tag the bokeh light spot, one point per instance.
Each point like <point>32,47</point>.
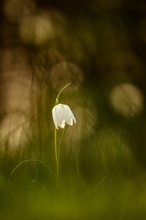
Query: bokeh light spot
<point>37,29</point>
<point>127,99</point>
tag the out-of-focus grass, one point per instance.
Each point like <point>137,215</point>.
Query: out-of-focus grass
<point>99,175</point>
<point>89,189</point>
<point>34,199</point>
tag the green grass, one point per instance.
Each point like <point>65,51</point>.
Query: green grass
<point>100,177</point>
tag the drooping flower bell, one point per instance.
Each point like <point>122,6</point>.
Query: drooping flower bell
<point>62,114</point>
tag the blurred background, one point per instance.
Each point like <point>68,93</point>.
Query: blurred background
<point>100,47</point>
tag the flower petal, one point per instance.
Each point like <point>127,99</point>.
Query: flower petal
<point>62,114</point>
<point>62,124</point>
<point>57,114</point>
<point>54,117</point>
<point>68,115</point>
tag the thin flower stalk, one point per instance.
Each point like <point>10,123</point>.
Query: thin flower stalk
<point>61,115</point>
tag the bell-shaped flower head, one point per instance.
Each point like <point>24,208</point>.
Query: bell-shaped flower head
<point>62,114</point>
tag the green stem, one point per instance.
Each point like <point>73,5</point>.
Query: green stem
<point>57,150</point>
<point>98,184</point>
<point>56,155</point>
<point>31,160</point>
<point>59,145</point>
<point>57,98</point>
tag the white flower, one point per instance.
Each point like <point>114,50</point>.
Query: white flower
<point>62,114</point>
